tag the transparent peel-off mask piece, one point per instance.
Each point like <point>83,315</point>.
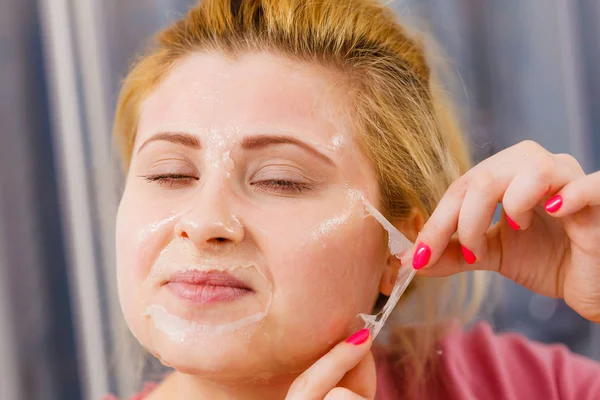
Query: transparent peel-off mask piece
<point>398,245</point>
<point>397,242</point>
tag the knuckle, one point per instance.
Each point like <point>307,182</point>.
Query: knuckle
<point>483,182</point>
<point>544,167</point>
<point>529,147</point>
<point>569,160</point>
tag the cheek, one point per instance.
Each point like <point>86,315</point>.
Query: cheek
<point>327,272</point>
<point>141,233</point>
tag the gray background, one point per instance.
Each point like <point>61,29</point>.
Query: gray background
<point>526,70</point>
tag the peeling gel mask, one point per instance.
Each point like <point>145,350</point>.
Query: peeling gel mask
<point>215,322</point>
<point>399,245</point>
<point>244,227</point>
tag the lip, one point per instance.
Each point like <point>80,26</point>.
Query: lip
<point>199,287</point>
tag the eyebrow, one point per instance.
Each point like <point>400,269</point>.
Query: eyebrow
<point>184,139</point>
<point>262,141</point>
<point>248,143</point>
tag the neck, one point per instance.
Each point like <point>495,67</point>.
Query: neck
<point>181,386</point>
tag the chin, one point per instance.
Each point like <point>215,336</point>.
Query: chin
<point>226,356</point>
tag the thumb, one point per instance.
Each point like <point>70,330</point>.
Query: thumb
<point>362,379</point>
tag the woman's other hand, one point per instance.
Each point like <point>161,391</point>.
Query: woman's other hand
<point>548,238</point>
<point>346,372</point>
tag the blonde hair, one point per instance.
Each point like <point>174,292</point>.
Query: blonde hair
<point>400,118</point>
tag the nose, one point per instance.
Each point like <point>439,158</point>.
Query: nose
<point>210,223</point>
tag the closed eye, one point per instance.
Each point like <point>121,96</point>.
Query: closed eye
<point>171,180</point>
<point>283,186</point>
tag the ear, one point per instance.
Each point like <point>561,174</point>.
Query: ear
<point>410,227</point>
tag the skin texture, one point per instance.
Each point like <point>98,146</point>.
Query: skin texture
<point>548,242</point>
<point>320,270</point>
<point>228,202</point>
<point>551,247</point>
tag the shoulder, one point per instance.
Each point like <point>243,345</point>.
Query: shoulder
<point>488,365</point>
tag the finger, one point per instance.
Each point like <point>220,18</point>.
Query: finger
<point>536,174</point>
<point>362,379</point>
<point>329,370</point>
<point>440,226</point>
<point>571,162</point>
<point>452,260</point>
<point>539,174</point>
<point>494,173</point>
<point>546,175</point>
<point>340,393</point>
<point>481,188</point>
<point>476,215</point>
<point>576,195</point>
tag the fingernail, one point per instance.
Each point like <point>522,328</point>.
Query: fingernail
<point>421,256</point>
<point>512,223</point>
<point>468,255</point>
<point>554,204</point>
<point>359,337</point>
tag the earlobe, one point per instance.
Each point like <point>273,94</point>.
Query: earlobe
<point>388,279</point>
<point>410,227</point>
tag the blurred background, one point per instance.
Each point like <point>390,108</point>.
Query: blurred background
<point>527,69</point>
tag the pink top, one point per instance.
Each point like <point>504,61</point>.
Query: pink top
<point>481,365</point>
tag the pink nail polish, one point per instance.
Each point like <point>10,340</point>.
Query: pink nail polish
<point>359,337</point>
<point>468,255</point>
<point>421,256</point>
<point>512,223</point>
<point>554,204</point>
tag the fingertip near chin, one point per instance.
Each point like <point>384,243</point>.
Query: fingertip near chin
<point>359,337</point>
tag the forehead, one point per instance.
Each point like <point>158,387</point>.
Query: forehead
<point>255,92</point>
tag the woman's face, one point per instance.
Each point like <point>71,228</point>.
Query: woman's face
<point>242,248</point>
